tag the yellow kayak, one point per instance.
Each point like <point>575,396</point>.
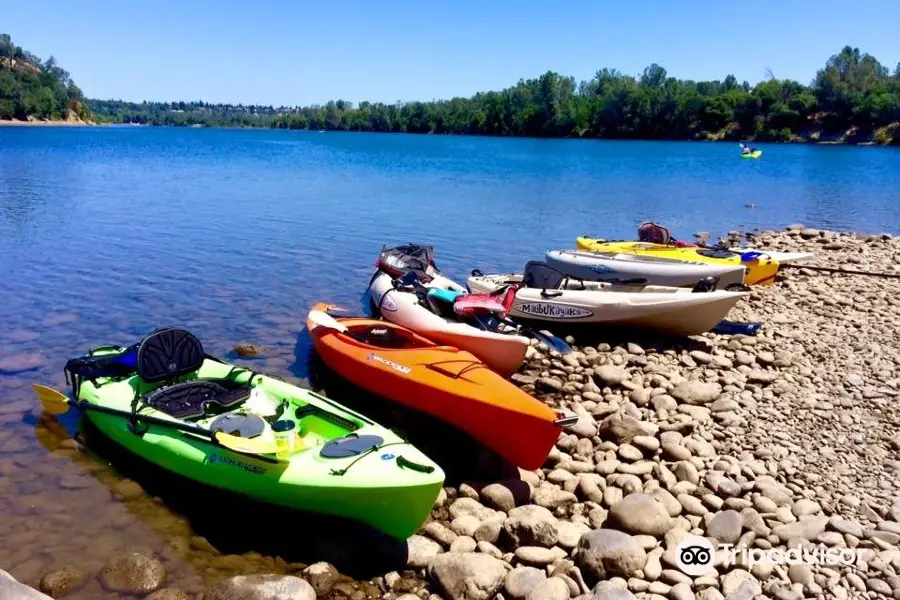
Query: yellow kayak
<point>754,154</point>
<point>760,268</point>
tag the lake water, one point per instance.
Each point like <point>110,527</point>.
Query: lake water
<point>106,233</point>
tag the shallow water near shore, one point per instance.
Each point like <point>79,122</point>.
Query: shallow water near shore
<point>106,233</point>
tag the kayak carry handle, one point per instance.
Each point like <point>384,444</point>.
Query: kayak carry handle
<point>476,273</point>
<point>408,464</point>
<point>565,422</point>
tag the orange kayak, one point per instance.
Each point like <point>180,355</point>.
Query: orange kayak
<point>445,382</point>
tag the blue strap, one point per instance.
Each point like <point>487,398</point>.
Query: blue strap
<point>448,296</point>
<point>748,256</point>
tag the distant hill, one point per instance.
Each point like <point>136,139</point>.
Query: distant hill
<point>853,99</point>
<point>31,89</point>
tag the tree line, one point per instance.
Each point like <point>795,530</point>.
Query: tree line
<point>32,87</point>
<point>852,90</point>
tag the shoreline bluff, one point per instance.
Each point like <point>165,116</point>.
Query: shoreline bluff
<point>788,438</point>
<point>33,122</point>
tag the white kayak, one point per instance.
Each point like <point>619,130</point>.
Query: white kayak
<point>616,267</point>
<point>544,294</point>
<point>783,258</point>
<point>501,352</point>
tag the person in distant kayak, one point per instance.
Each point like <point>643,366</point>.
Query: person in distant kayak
<point>745,150</point>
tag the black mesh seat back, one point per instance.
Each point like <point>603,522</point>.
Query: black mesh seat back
<point>167,353</point>
<point>540,275</point>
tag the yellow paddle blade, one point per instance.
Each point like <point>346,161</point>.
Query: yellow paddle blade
<point>52,401</point>
<point>239,444</point>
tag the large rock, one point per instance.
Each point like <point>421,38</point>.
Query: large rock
<point>620,428</point>
<point>10,589</point>
<point>420,550</point>
<point>605,553</point>
<point>532,525</point>
<point>506,495</point>
<point>59,583</point>
<point>808,529</point>
<point>639,513</point>
<point>550,589</point>
<point>322,576</point>
<point>261,587</point>
<point>697,392</point>
<point>610,375</point>
<point>726,526</point>
<point>521,580</point>
<point>468,576</point>
<point>463,507</point>
<point>605,591</point>
<point>133,573</point>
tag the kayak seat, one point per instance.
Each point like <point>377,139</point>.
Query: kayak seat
<point>197,398</point>
<point>470,305</point>
<point>654,233</point>
<point>540,275</point>
<point>167,353</point>
<point>386,337</point>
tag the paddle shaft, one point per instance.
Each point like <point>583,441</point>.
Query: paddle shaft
<point>844,271</point>
<point>145,418</point>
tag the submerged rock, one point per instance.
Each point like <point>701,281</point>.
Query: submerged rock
<point>248,350</point>
<point>59,583</point>
<point>133,573</point>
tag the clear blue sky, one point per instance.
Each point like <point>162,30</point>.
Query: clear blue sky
<point>301,52</point>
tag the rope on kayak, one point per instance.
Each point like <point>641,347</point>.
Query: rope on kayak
<point>470,364</point>
<point>843,271</point>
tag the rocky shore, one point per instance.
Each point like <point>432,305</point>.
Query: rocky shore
<point>784,439</point>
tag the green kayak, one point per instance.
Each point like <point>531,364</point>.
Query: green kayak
<point>328,459</point>
<point>754,154</point>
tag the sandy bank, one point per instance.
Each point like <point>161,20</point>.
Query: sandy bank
<point>45,123</point>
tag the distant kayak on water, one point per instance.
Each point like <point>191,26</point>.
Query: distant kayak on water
<point>748,152</point>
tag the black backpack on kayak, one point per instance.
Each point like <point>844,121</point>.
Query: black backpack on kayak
<point>163,354</point>
<point>400,260</point>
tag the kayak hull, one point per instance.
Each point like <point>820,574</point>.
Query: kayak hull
<point>670,310</point>
<point>504,353</point>
<point>754,154</point>
<point>444,382</point>
<point>759,271</point>
<point>375,490</point>
<point>616,266</point>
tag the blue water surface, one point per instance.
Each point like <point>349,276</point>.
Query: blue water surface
<point>106,233</point>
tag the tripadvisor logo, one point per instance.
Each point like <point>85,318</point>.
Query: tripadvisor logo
<point>696,556</point>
